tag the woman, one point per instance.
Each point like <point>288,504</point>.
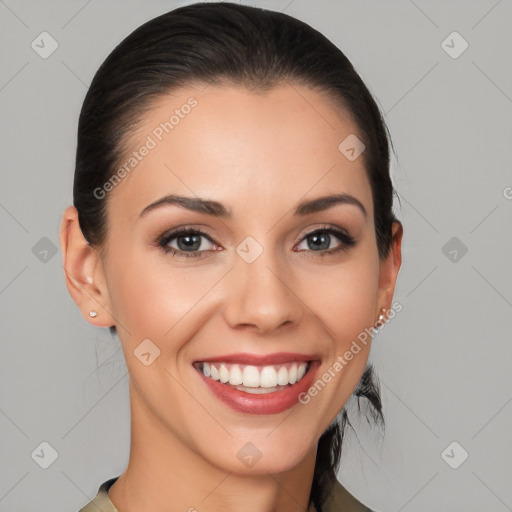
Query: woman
<point>233,224</point>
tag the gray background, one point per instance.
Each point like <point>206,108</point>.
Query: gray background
<point>443,361</point>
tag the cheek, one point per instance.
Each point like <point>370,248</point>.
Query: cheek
<point>136,294</point>
<point>344,296</point>
<point>154,299</point>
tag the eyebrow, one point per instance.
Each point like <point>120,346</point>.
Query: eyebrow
<point>216,209</point>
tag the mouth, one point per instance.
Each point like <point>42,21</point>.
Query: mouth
<point>258,384</point>
<point>254,379</point>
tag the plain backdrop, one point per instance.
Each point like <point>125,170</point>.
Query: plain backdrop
<point>441,73</point>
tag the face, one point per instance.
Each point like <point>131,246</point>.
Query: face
<point>268,287</point>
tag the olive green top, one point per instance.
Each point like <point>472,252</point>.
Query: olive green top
<point>340,500</point>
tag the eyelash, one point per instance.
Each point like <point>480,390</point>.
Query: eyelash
<point>163,241</point>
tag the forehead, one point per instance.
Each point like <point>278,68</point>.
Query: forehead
<point>235,146</point>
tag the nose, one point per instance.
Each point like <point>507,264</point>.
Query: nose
<point>261,296</point>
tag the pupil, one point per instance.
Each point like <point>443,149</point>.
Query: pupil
<point>192,242</point>
<point>324,237</point>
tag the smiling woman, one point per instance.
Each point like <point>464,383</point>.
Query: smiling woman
<point>246,252</point>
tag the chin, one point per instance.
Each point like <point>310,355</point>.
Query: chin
<point>262,455</point>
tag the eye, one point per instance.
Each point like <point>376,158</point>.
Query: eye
<point>320,240</point>
<point>188,243</point>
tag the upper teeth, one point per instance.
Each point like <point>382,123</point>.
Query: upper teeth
<point>255,376</point>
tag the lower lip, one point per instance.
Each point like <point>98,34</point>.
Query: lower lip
<point>267,403</point>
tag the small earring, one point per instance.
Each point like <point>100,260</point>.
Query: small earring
<point>93,313</point>
<point>381,317</point>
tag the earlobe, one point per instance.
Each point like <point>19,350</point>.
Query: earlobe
<point>83,271</point>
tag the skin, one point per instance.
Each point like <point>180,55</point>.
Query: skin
<point>259,155</point>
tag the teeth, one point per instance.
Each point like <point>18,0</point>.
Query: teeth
<point>251,377</point>
<point>260,391</point>
<point>247,377</point>
<point>214,373</point>
<point>282,376</point>
<point>235,375</point>
<point>292,374</point>
<point>223,374</point>
<point>268,377</point>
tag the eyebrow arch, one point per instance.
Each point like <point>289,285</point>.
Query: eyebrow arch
<point>325,202</point>
<point>217,209</point>
<point>196,204</point>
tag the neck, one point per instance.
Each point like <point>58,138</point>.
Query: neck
<point>166,475</point>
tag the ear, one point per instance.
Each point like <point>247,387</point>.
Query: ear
<point>83,271</point>
<point>389,268</point>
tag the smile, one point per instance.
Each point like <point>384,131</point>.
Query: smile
<point>258,384</point>
<point>255,379</point>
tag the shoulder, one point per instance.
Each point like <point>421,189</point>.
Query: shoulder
<point>340,500</point>
<point>101,501</point>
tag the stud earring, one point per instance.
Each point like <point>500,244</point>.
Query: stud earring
<point>381,317</point>
<point>93,313</point>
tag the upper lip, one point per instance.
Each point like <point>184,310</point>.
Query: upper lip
<point>260,359</point>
